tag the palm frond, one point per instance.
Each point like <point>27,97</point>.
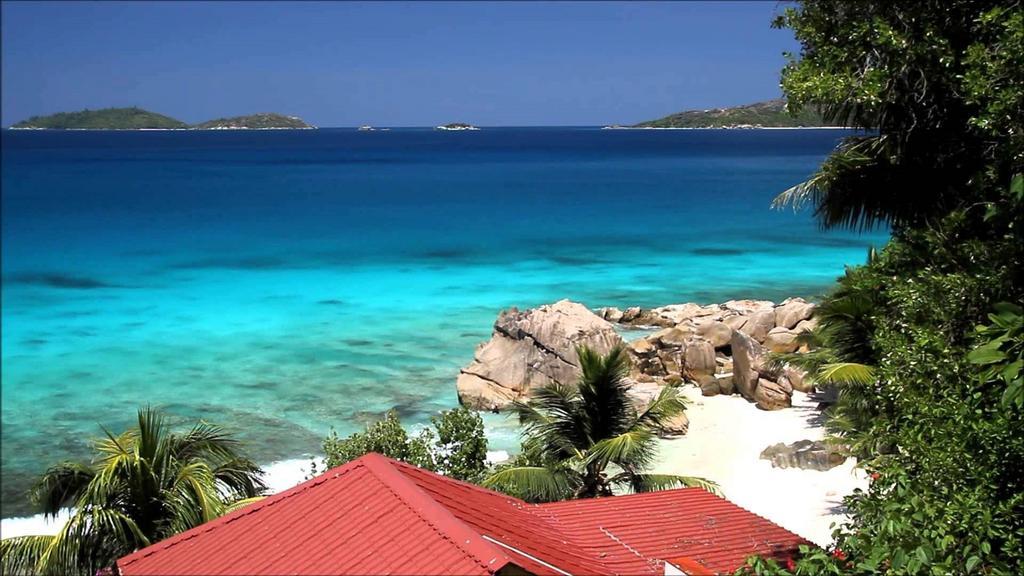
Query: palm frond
<point>241,478</point>
<point>242,503</point>
<point>846,373</point>
<point>534,483</point>
<point>666,406</point>
<point>635,448</point>
<point>658,482</point>
<point>194,496</point>
<point>60,486</point>
<point>150,432</point>
<point>606,407</point>
<point>554,414</point>
<point>23,555</point>
<point>207,441</point>
<point>858,186</point>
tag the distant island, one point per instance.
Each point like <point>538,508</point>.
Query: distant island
<point>267,121</point>
<point>135,118</point>
<point>457,126</point>
<point>769,114</point>
<point>105,119</point>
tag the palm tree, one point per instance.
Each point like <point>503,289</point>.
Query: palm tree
<point>583,441</point>
<point>143,485</point>
<point>841,355</point>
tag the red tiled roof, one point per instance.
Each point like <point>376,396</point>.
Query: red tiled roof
<point>690,524</point>
<point>378,516</point>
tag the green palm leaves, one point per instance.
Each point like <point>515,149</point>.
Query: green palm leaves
<point>583,441</point>
<point>144,485</point>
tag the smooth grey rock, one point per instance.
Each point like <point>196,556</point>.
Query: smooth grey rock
<point>610,314</point>
<point>699,359</point>
<point>758,325</point>
<point>792,311</point>
<point>747,359</point>
<point>630,314</point>
<point>806,325</point>
<point>804,454</point>
<point>531,349</point>
<point>773,395</point>
<point>748,307</point>
<point>798,378</point>
<point>718,333</point>
<point>781,340</point>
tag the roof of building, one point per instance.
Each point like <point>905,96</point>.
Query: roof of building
<point>375,515</point>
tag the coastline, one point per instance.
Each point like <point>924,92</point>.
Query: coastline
<point>725,438</point>
<point>724,128</point>
<point>733,432</point>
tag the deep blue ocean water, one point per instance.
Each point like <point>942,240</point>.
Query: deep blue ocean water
<point>287,282</point>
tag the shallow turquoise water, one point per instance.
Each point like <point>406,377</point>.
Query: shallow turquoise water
<point>284,283</point>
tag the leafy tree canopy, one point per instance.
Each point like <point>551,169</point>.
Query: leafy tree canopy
<point>455,447</point>
<point>924,343</point>
<point>938,84</point>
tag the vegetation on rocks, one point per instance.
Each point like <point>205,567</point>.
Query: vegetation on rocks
<point>139,119</point>
<point>105,119</point>
<point>254,122</point>
<point>772,113</point>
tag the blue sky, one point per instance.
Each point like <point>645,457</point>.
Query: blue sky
<point>391,64</point>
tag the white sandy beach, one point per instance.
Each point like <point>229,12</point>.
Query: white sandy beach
<point>724,443</point>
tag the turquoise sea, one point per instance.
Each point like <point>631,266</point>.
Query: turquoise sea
<point>287,282</point>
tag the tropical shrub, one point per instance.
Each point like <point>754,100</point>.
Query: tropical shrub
<point>584,441</point>
<point>455,447</point>
<point>937,422</point>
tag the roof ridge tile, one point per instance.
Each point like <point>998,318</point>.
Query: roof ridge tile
<point>384,469</point>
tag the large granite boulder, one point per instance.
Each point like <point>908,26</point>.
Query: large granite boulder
<point>530,349</point>
<point>798,378</point>
<point>805,454</point>
<point>793,311</point>
<point>675,426</point>
<point>747,359</point>
<point>759,324</point>
<point>781,340</point>
<point>771,395</point>
<point>718,333</point>
<point>747,307</point>
<point>699,359</point>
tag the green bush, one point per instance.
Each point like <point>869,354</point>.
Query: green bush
<point>455,447</point>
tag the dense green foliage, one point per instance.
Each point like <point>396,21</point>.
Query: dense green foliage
<point>105,119</point>
<point>772,113</point>
<point>584,441</point>
<point>254,122</point>
<point>939,81</point>
<point>456,447</point>
<point>144,485</point>
<point>933,321</point>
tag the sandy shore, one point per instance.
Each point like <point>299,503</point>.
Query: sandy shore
<point>724,443</point>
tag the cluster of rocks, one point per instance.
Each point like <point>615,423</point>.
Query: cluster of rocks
<point>530,349</point>
<point>805,454</point>
<point>723,348</point>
